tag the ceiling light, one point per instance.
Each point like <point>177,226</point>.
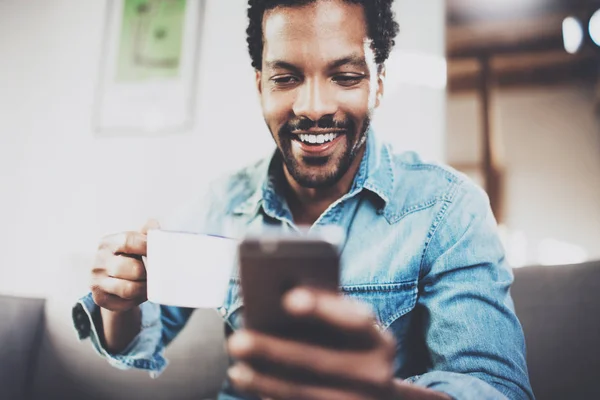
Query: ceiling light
<point>594,27</point>
<point>572,34</point>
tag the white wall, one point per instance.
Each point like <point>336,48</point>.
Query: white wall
<point>412,115</point>
<point>62,189</point>
<point>551,142</point>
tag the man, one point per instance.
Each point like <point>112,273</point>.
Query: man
<point>421,249</point>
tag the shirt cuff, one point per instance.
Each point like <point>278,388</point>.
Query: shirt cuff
<point>457,386</point>
<point>145,351</point>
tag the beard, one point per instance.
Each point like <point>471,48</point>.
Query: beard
<point>321,172</point>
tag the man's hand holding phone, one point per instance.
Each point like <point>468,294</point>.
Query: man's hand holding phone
<point>340,373</point>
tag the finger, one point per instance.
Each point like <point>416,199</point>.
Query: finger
<point>132,243</point>
<point>244,378</point>
<point>112,302</point>
<point>375,371</point>
<point>124,267</point>
<point>127,290</point>
<point>338,311</point>
<point>150,224</point>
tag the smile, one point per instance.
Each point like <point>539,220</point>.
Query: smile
<point>317,138</point>
<point>313,143</point>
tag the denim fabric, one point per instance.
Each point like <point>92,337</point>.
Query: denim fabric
<point>421,248</point>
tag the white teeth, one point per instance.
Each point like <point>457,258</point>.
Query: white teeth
<point>318,139</point>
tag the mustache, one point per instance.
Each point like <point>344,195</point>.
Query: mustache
<point>325,122</point>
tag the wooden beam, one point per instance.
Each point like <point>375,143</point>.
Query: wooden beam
<point>492,167</point>
<point>536,45</point>
<point>507,75</point>
<point>467,12</point>
<point>520,35</point>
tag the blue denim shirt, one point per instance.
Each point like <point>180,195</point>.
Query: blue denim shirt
<point>421,248</point>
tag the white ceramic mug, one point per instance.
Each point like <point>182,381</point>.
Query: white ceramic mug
<point>187,269</point>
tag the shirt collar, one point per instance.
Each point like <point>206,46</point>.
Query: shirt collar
<point>380,172</point>
<point>375,175</point>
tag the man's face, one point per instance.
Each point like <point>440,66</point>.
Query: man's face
<point>318,86</point>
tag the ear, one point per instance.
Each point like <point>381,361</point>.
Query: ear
<point>381,73</point>
<point>258,81</point>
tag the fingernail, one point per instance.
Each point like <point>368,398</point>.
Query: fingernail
<point>240,373</point>
<point>301,301</point>
<point>239,342</point>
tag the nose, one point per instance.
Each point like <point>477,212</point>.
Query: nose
<point>315,100</point>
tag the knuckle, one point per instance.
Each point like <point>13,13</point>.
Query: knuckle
<point>138,270</point>
<point>104,243</point>
<point>252,345</point>
<point>99,263</point>
<point>98,296</point>
<point>115,264</point>
<point>125,241</point>
<point>385,376</point>
<point>364,316</point>
<point>386,340</point>
<point>389,345</point>
<point>97,271</point>
<point>129,290</point>
<point>95,287</point>
<point>107,242</point>
<point>380,374</point>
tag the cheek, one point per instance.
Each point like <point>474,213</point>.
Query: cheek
<point>276,107</point>
<point>356,103</point>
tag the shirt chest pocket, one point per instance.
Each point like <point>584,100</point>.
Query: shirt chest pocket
<point>389,301</point>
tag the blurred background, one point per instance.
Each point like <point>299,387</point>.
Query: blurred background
<point>505,91</point>
<point>523,120</point>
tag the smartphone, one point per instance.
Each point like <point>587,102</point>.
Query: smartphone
<point>270,267</point>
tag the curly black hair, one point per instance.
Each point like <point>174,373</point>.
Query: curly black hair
<point>381,25</point>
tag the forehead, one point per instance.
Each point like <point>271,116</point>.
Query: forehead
<point>325,29</point>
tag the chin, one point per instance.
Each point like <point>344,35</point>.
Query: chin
<point>313,177</point>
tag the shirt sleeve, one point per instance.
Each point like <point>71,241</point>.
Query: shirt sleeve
<point>474,339</point>
<point>160,324</point>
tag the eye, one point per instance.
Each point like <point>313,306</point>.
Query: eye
<point>348,80</point>
<point>287,80</point>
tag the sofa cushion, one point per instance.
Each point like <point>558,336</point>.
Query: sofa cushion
<point>21,325</point>
<point>70,369</point>
<point>559,308</point>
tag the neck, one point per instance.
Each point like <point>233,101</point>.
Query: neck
<point>307,204</point>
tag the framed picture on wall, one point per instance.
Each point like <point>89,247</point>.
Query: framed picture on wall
<point>148,70</point>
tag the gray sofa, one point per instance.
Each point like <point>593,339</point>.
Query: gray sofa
<point>41,358</point>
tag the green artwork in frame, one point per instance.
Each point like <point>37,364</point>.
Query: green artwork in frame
<point>151,40</point>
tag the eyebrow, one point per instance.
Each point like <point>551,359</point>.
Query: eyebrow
<point>352,60</point>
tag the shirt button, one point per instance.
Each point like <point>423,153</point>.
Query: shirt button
<point>223,312</point>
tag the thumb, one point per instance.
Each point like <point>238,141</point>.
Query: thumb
<point>151,224</point>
